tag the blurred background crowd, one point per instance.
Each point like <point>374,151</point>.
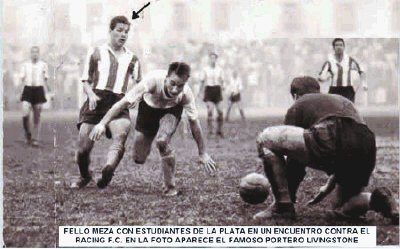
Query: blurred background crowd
<point>265,62</point>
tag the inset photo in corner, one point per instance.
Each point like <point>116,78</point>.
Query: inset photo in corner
<point>199,113</point>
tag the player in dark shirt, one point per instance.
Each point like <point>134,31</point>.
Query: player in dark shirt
<point>324,132</point>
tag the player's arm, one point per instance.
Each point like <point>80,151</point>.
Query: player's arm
<point>192,114</point>
<point>131,98</point>
<point>363,78</point>
<point>202,83</point>
<point>294,116</point>
<point>135,71</point>
<point>205,159</point>
<point>324,191</point>
<point>87,77</point>
<point>354,65</point>
<point>221,80</point>
<point>23,74</point>
<point>324,74</point>
<point>92,97</point>
<point>46,79</point>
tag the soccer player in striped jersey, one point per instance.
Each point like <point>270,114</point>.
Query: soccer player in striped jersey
<point>338,68</point>
<point>108,71</point>
<point>34,75</point>
<point>212,78</point>
<point>162,96</point>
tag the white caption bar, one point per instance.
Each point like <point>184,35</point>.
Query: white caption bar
<point>216,236</point>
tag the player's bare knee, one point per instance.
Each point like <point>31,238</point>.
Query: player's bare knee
<point>272,138</point>
<point>84,148</point>
<point>263,139</point>
<point>162,144</point>
<point>163,147</point>
<point>220,116</point>
<point>265,153</point>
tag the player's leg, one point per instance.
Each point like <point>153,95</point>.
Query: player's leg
<point>119,129</point>
<point>210,106</point>
<point>220,119</point>
<point>359,161</point>
<point>295,173</point>
<point>147,124</point>
<point>26,109</point>
<point>168,125</point>
<point>37,110</point>
<point>85,146</point>
<point>241,111</point>
<point>141,146</point>
<point>228,111</point>
<point>273,143</point>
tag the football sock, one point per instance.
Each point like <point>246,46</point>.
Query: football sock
<point>168,169</point>
<point>83,160</point>
<point>25,123</point>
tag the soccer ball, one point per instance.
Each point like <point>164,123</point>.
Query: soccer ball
<point>253,188</point>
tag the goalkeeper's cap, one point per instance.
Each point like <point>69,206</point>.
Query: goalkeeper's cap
<point>304,85</point>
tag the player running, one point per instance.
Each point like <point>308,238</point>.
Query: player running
<point>108,71</point>
<point>162,96</point>
<point>338,68</point>
<point>213,79</point>
<point>234,89</point>
<point>34,75</point>
<point>326,133</point>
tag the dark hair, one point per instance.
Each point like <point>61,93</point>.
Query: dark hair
<point>304,85</point>
<point>336,40</point>
<point>213,54</point>
<point>179,68</point>
<point>35,47</point>
<point>118,19</point>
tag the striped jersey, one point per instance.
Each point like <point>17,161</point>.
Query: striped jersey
<point>105,71</point>
<point>213,76</point>
<point>34,74</point>
<point>339,72</point>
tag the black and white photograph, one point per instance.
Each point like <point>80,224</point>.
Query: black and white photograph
<point>235,115</point>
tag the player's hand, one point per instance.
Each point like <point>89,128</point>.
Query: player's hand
<point>93,98</point>
<point>324,191</point>
<point>97,132</point>
<point>50,96</point>
<point>319,197</point>
<point>208,163</point>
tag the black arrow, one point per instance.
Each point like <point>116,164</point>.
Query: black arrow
<point>135,14</point>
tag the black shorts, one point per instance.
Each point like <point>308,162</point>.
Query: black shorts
<point>345,91</point>
<point>148,118</point>
<point>107,100</point>
<point>345,148</point>
<point>213,94</point>
<point>234,97</point>
<point>34,95</point>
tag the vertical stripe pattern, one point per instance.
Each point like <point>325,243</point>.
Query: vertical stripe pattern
<point>340,72</point>
<point>107,72</point>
